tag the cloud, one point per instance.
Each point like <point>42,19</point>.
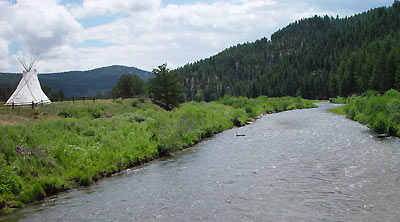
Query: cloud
<point>149,33</point>
<point>39,25</point>
<point>348,6</point>
<point>90,8</point>
<point>178,34</point>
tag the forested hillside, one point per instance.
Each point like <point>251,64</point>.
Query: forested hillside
<point>317,57</point>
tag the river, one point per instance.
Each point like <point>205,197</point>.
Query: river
<point>300,165</point>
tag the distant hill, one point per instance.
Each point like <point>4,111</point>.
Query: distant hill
<point>317,57</point>
<point>80,83</point>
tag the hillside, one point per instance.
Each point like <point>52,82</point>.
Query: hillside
<point>79,83</point>
<point>317,57</point>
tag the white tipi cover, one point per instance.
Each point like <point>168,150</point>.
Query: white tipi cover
<point>28,90</point>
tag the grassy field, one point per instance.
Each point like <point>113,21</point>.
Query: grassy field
<point>56,147</point>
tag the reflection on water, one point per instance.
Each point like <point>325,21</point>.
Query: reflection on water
<point>302,165</point>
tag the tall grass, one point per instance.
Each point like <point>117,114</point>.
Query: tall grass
<point>263,104</point>
<point>381,113</point>
<point>64,145</point>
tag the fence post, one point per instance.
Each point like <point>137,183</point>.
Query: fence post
<point>33,105</point>
<point>94,98</point>
<point>13,106</point>
<point>83,98</point>
<point>73,99</point>
<point>42,102</point>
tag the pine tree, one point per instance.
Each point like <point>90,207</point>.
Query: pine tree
<point>397,77</point>
<point>165,87</point>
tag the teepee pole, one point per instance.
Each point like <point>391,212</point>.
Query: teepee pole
<point>28,90</point>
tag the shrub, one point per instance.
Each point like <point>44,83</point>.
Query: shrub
<point>380,113</point>
<point>9,181</point>
<point>379,124</point>
<point>137,118</point>
<point>95,113</point>
<point>371,93</point>
<point>65,113</point>
<point>393,94</point>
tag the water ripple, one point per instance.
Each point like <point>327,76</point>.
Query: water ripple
<point>301,165</point>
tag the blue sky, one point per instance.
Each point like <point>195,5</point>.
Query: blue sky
<point>86,34</point>
<point>101,19</point>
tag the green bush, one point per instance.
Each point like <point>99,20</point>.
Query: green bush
<point>263,104</point>
<point>9,181</point>
<point>371,93</point>
<point>137,118</point>
<point>381,113</point>
<point>95,113</point>
<point>379,124</point>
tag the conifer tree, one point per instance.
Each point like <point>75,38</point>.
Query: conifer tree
<point>165,87</point>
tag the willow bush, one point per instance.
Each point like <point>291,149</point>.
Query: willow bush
<point>381,113</point>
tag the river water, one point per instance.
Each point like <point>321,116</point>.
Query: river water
<point>301,165</point>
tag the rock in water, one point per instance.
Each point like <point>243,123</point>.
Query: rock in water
<point>382,136</point>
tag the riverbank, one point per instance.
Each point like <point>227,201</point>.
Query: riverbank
<point>381,113</point>
<point>64,145</point>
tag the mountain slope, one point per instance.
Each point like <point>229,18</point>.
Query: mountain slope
<point>300,59</point>
<point>80,83</point>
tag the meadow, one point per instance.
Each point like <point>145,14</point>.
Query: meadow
<point>57,147</point>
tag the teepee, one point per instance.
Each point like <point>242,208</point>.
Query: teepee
<point>28,90</point>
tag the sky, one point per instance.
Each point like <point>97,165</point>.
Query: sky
<point>85,34</point>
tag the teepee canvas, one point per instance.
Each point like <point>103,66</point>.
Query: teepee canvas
<point>28,89</point>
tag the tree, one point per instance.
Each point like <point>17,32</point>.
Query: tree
<point>53,95</point>
<point>198,97</point>
<point>165,87</point>
<point>137,85</point>
<point>5,92</point>
<point>61,95</point>
<point>47,90</point>
<point>128,85</point>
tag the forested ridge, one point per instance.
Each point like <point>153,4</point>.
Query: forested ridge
<point>74,83</point>
<point>317,57</point>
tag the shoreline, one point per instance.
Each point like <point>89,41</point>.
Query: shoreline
<point>163,133</point>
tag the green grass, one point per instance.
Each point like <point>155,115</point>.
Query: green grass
<point>318,101</point>
<point>73,144</point>
<point>338,110</point>
<point>381,113</point>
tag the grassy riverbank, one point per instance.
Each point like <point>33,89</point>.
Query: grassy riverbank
<point>381,113</point>
<point>63,145</point>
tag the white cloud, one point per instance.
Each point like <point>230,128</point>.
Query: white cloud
<point>178,34</point>
<point>4,54</point>
<point>90,8</point>
<point>40,25</point>
<point>150,35</point>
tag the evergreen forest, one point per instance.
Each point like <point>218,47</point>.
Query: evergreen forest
<point>318,57</point>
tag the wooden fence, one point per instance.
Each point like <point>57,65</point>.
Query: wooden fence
<point>73,100</point>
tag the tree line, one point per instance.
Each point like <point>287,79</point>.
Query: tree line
<point>7,91</point>
<point>317,57</point>
<point>164,89</point>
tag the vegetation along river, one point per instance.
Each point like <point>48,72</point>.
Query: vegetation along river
<point>301,165</point>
